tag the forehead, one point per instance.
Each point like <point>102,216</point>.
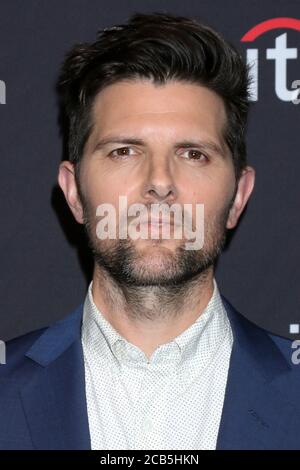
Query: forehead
<point>174,106</point>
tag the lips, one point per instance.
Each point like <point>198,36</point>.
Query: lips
<point>157,221</point>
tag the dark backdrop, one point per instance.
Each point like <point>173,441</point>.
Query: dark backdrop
<point>44,264</point>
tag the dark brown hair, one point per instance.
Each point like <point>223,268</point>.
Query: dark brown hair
<point>158,47</point>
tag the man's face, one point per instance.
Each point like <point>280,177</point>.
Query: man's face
<point>157,144</point>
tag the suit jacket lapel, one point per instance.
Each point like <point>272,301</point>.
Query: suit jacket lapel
<point>54,400</point>
<point>256,415</point>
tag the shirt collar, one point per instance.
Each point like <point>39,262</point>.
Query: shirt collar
<point>206,333</point>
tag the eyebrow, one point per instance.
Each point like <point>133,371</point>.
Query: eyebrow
<point>200,144</point>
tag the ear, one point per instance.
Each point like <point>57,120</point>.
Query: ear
<point>244,190</point>
<point>67,182</point>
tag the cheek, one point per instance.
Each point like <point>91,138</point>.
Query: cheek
<point>100,189</point>
<point>211,195</point>
<point>214,195</point>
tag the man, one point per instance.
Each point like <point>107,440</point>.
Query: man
<point>154,358</point>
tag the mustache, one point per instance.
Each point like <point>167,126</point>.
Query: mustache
<point>159,215</point>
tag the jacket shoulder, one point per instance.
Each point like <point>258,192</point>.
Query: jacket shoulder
<point>42,343</point>
<point>290,350</point>
<point>15,350</point>
<point>267,343</point>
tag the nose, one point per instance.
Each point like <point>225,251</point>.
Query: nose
<point>159,183</point>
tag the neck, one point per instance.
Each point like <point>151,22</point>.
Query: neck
<point>150,316</point>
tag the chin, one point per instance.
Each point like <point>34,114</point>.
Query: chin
<point>157,245</point>
<point>158,259</point>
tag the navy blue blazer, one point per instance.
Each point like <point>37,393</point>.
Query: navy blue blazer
<point>43,400</point>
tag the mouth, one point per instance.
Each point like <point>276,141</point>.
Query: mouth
<point>161,228</point>
<point>157,221</point>
<point>156,224</point>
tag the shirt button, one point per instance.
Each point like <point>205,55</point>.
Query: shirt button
<point>147,425</point>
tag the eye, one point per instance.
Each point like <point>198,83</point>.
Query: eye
<point>194,154</point>
<point>121,152</point>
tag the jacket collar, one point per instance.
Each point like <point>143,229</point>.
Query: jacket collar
<point>256,413</point>
<point>55,400</point>
<point>57,338</point>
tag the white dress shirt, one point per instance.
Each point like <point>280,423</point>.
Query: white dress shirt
<point>173,400</point>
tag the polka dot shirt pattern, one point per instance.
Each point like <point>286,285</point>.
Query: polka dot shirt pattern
<point>172,401</point>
